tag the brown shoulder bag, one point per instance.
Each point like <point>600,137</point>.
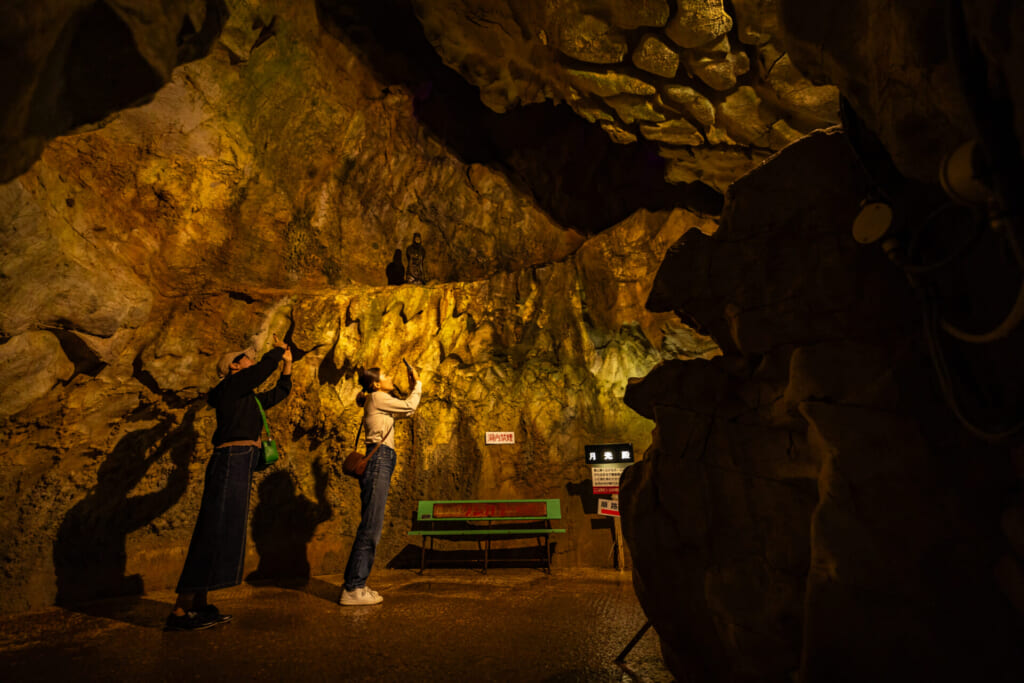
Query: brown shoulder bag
<point>356,460</point>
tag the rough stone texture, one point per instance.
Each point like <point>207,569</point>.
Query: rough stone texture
<point>903,96</point>
<point>808,509</point>
<point>590,39</point>
<point>756,20</point>
<point>30,365</point>
<point>608,84</point>
<point>264,190</point>
<point>698,22</point>
<point>522,52</point>
<point>717,65</point>
<point>72,63</point>
<point>654,56</point>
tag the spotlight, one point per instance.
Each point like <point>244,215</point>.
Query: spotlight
<point>872,222</point>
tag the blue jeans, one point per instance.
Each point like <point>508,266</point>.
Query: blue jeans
<point>373,493</point>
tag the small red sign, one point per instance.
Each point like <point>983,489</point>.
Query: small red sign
<point>491,438</point>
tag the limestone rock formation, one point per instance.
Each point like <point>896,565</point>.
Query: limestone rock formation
<point>71,64</point>
<point>623,63</point>
<point>31,364</point>
<point>264,190</point>
<point>808,501</point>
<point>912,99</point>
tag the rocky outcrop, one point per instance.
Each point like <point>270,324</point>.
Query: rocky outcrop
<point>809,509</point>
<point>715,91</point>
<point>924,77</point>
<point>70,64</point>
<point>265,189</point>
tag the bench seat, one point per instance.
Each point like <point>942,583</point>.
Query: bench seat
<point>484,519</point>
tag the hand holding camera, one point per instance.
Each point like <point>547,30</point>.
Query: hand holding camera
<point>413,375</point>
<point>287,357</point>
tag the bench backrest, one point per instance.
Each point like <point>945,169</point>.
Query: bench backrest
<point>429,510</point>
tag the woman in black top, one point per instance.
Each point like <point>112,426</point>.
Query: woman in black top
<point>216,554</point>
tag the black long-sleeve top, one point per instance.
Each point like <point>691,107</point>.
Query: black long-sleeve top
<point>234,399</point>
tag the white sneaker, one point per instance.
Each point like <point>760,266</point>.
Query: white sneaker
<point>360,596</point>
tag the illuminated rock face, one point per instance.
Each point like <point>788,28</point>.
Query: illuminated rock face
<point>717,101</point>
<point>265,189</point>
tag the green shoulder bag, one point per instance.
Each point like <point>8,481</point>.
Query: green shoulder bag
<point>268,452</point>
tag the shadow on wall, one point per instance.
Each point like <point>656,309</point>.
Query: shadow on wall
<point>283,524</point>
<point>89,554</point>
<point>395,271</point>
<point>584,490</point>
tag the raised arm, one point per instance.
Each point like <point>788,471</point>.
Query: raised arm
<point>399,406</point>
<point>284,382</point>
<point>244,381</point>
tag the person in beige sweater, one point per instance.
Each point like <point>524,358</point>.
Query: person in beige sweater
<point>380,410</point>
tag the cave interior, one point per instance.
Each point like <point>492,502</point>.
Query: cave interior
<point>775,245</point>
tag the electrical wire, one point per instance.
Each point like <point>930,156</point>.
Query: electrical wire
<point>1000,331</point>
<point>924,268</point>
<point>946,383</point>
<point>1003,157</point>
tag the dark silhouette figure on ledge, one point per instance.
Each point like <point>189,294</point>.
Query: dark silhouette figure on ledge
<point>416,254</point>
<point>283,524</point>
<point>89,553</point>
<point>396,271</point>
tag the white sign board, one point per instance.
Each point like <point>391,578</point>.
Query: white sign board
<point>491,438</point>
<point>606,479</point>
<point>608,507</point>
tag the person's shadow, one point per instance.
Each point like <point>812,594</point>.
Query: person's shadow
<point>89,553</point>
<point>395,271</point>
<point>283,524</point>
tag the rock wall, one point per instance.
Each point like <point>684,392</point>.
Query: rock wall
<point>72,63</point>
<point>838,496</point>
<point>809,507</point>
<point>709,82</point>
<point>904,69</point>
<point>265,189</point>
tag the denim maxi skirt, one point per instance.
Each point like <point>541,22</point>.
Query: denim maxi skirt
<point>216,555</point>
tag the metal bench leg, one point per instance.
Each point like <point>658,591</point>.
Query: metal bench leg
<point>423,553</point>
<point>547,549</point>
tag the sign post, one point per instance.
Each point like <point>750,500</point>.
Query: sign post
<point>607,462</point>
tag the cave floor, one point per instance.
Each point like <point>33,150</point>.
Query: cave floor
<point>447,625</point>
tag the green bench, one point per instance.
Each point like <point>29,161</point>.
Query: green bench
<point>482,520</point>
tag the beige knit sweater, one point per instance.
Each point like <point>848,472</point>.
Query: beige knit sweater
<point>380,412</point>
